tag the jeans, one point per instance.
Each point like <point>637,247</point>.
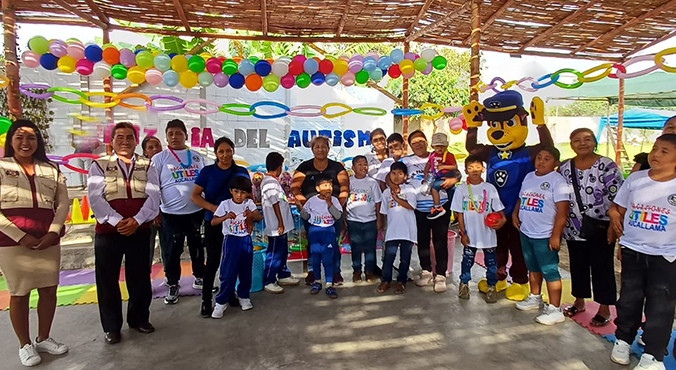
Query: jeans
<point>439,230</point>
<point>275,261</point>
<point>648,287</point>
<point>154,230</point>
<point>176,229</point>
<point>321,241</point>
<point>391,247</point>
<point>539,258</point>
<point>509,242</point>
<point>468,255</point>
<point>237,263</point>
<point>363,238</point>
<point>597,257</point>
<point>213,241</point>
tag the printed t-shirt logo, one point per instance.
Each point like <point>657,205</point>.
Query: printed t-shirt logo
<point>532,202</point>
<point>237,226</point>
<point>672,199</point>
<point>360,195</point>
<point>394,204</point>
<point>649,217</point>
<point>545,186</point>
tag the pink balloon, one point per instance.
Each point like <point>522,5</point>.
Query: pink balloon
<point>76,50</point>
<point>2,151</point>
<point>58,48</point>
<point>355,65</point>
<point>221,79</point>
<point>30,59</point>
<point>127,58</point>
<point>154,76</point>
<point>347,79</point>
<point>287,81</point>
<point>84,67</point>
<point>299,58</point>
<point>345,58</point>
<point>455,124</point>
<point>373,55</point>
<point>410,56</point>
<point>213,65</point>
<point>357,57</point>
<point>409,75</point>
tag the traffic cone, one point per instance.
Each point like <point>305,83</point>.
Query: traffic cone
<point>76,212</point>
<point>85,205</point>
<point>90,217</point>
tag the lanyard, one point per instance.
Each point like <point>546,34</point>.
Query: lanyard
<point>478,207</point>
<point>179,161</point>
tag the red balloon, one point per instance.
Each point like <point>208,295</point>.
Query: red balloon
<point>296,68</point>
<point>491,219</point>
<point>394,71</point>
<point>326,66</point>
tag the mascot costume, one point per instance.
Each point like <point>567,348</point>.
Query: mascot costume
<point>508,161</point>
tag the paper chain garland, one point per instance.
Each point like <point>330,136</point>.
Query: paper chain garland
<point>610,70</point>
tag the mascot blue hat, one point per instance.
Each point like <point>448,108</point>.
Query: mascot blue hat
<point>502,106</point>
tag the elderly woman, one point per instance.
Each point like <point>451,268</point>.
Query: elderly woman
<point>303,187</point>
<point>33,209</point>
<point>595,180</point>
<point>379,153</point>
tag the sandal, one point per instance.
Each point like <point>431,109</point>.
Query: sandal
<point>571,311</point>
<point>599,321</point>
<point>401,288</point>
<point>383,287</point>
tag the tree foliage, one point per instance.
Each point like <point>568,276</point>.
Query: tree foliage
<point>35,110</point>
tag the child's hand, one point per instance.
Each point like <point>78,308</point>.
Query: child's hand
<point>230,215</point>
<point>464,240</point>
<point>612,237</point>
<point>554,244</point>
<point>395,190</point>
<point>280,229</point>
<point>499,223</point>
<point>616,223</point>
<point>516,223</point>
<point>327,198</point>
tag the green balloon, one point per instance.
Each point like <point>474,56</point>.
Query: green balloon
<point>144,59</point>
<point>270,83</point>
<point>119,71</point>
<point>39,45</point>
<point>439,62</point>
<point>196,63</point>
<point>254,59</point>
<point>420,64</point>
<point>303,80</point>
<point>229,67</point>
<point>376,74</point>
<point>361,77</point>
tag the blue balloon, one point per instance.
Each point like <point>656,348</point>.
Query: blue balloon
<point>48,61</point>
<point>170,78</point>
<point>162,62</point>
<point>317,79</point>
<point>237,79</point>
<point>310,66</point>
<point>93,53</point>
<point>138,51</point>
<point>369,64</point>
<point>171,55</point>
<point>262,68</point>
<point>332,79</point>
<point>246,67</point>
<point>384,62</point>
<point>397,56</point>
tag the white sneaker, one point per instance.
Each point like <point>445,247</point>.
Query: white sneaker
<point>424,279</point>
<point>274,288</point>
<point>640,341</point>
<point>621,352</point>
<point>648,362</point>
<point>551,315</point>
<point>245,303</point>
<point>532,302</point>
<point>440,284</point>
<point>50,346</point>
<point>29,356</point>
<point>288,281</point>
<point>217,313</point>
<point>197,284</point>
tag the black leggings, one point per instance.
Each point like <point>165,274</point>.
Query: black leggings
<point>439,230</point>
<point>598,257</point>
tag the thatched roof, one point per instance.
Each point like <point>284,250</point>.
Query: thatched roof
<point>598,29</point>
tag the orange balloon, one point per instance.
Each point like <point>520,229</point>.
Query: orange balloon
<point>237,59</point>
<point>111,55</point>
<point>317,59</point>
<point>253,82</point>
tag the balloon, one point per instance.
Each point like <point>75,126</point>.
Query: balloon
<point>58,48</point>
<point>394,71</point>
<point>162,62</point>
<point>136,75</point>
<point>229,67</point>
<point>84,67</point>
<point>406,66</point>
<point>213,65</point>
<point>119,71</point>
<point>246,67</point>
<point>325,66</point>
<point>221,79</point>
<point>187,79</point>
<point>39,44</point>
<point>384,62</point>
<point>355,65</point>
<point>396,56</point>
<point>76,50</point>
<point>179,64</point>
<point>170,78</point>
<point>237,81</point>
<point>347,79</point>
<point>428,69</point>
<point>205,78</point>
<point>455,124</point>
<point>317,79</point>
<point>303,80</point>
<point>370,64</point>
<point>101,70</point>
<point>253,82</point>
<point>408,75</point>
<point>93,53</point>
<point>295,67</point>
<point>371,54</point>
<point>332,79</point>
<point>311,66</point>
<point>154,76</point>
<point>428,54</point>
<point>420,64</point>
<point>127,58</point>
<point>111,55</point>
<point>357,57</point>
<point>287,81</point>
<point>376,75</point>
<point>254,59</point>
<point>144,59</point>
<point>361,77</point>
<point>30,59</point>
<point>299,58</point>
<point>280,68</point>
<point>270,83</point>
<point>262,68</point>
<point>410,56</point>
<point>66,64</point>
<point>206,56</point>
<point>196,63</point>
<point>340,67</point>
<point>492,219</point>
<point>439,62</point>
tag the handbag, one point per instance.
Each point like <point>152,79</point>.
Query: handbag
<point>591,228</point>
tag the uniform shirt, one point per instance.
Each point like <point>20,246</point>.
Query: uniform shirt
<point>361,203</point>
<point>319,211</point>
<point>480,235</point>
<point>507,170</point>
<point>274,194</point>
<point>537,208</point>
<point>176,181</point>
<point>401,223</point>
<point>236,226</point>
<point>373,163</point>
<point>213,179</point>
<point>416,174</point>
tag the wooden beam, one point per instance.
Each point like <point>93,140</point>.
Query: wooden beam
<point>423,10</point>
<point>444,20</point>
<point>11,61</point>
<point>71,9</point>
<point>264,17</point>
<point>59,21</point>
<point>558,25</point>
<point>631,23</point>
<point>652,43</point>
<point>96,10</point>
<point>492,18</point>
<point>620,121</point>
<point>404,99</point>
<point>181,14</point>
<point>343,18</point>
<point>475,50</point>
<point>383,91</point>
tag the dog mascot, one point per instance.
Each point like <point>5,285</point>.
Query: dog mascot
<point>508,161</point>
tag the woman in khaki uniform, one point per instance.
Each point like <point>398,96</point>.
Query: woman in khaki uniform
<point>33,209</point>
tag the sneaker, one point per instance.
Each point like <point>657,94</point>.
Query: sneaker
<point>370,277</point>
<point>532,302</point>
<point>640,341</point>
<point>172,295</point>
<point>440,284</point>
<point>50,346</point>
<point>245,303</point>
<point>29,356</point>
<point>274,288</point>
<point>621,352</point>
<point>424,279</point>
<point>356,277</point>
<point>197,284</point>
<point>218,310</point>
<point>206,309</point>
<point>463,291</point>
<point>551,315</point>
<point>648,362</point>
<point>436,212</point>
<point>337,279</point>
<point>383,287</point>
<point>288,281</point>
<point>331,292</point>
<point>316,288</point>
<point>310,278</point>
<point>491,295</point>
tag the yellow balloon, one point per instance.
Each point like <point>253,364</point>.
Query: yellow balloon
<point>3,137</point>
<point>456,132</point>
<point>136,75</point>
<point>66,64</point>
<point>406,66</point>
<point>179,63</point>
<point>205,56</point>
<point>340,67</point>
<point>187,79</point>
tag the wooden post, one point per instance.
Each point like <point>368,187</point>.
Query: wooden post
<point>108,87</point>
<point>404,98</point>
<point>475,48</point>
<point>11,61</point>
<point>620,121</point>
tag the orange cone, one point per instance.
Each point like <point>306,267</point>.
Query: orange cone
<point>85,205</point>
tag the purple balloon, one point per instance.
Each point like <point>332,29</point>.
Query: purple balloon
<point>410,56</point>
<point>221,79</point>
<point>127,58</point>
<point>427,70</point>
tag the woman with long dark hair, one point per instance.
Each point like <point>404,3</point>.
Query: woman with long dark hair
<point>33,209</point>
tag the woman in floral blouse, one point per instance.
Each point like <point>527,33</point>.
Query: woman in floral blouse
<point>598,179</point>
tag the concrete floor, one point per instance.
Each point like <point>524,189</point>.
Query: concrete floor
<point>294,330</point>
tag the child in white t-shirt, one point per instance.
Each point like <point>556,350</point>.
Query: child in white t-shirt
<point>402,232</point>
<point>278,223</point>
<point>321,211</point>
<point>395,146</point>
<point>473,203</point>
<point>363,219</point>
<point>643,214</point>
<point>541,216</point>
<point>236,215</point>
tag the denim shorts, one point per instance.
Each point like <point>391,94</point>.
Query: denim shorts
<point>539,258</point>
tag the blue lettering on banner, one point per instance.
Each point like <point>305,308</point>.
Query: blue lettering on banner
<point>344,138</point>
